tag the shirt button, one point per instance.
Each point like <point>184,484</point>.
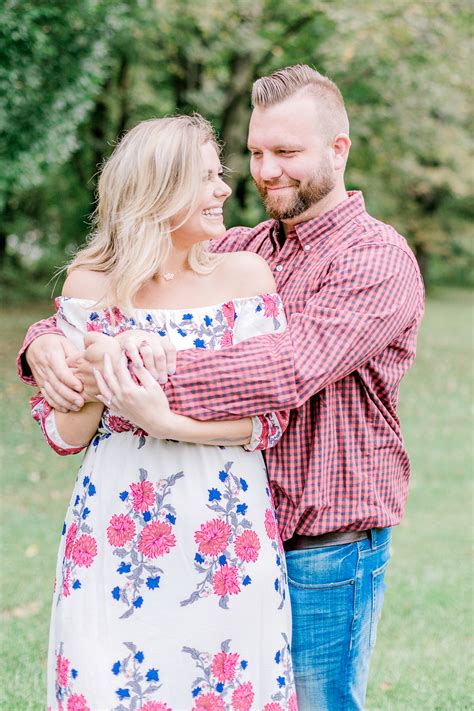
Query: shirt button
<point>307,247</point>
<point>279,267</point>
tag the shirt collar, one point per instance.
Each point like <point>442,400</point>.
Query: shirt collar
<point>327,223</point>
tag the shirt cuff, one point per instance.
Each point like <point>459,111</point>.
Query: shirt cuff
<point>22,366</point>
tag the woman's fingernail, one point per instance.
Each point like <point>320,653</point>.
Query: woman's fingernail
<point>162,380</point>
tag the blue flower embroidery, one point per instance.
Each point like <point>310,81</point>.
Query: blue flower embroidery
<point>214,495</point>
<point>152,675</point>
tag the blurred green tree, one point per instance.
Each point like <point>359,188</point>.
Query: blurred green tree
<point>403,69</point>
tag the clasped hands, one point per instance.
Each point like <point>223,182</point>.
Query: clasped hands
<point>68,378</point>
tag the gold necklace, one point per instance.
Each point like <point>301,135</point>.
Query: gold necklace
<point>169,276</point>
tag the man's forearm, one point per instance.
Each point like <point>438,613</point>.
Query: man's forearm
<point>41,328</point>
<point>353,318</point>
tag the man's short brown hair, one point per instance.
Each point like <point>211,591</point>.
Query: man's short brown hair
<point>284,83</point>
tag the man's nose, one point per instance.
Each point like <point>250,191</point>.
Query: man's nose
<point>269,168</point>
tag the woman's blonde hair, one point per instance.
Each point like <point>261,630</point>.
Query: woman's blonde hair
<point>152,179</point>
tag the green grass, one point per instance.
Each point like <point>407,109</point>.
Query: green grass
<point>423,658</point>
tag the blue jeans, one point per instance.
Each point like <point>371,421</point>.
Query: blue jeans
<point>336,599</point>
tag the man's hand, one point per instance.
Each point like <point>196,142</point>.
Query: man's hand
<point>156,353</point>
<point>46,357</point>
<point>96,345</point>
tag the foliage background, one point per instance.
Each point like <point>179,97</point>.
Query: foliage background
<point>75,75</point>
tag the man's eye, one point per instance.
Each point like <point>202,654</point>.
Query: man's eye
<point>286,153</point>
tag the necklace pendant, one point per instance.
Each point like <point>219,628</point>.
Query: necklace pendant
<point>168,276</point>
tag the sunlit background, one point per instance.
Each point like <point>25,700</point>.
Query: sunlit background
<point>73,77</point>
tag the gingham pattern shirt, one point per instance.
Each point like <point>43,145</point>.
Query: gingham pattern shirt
<point>354,300</point>
<point>353,296</point>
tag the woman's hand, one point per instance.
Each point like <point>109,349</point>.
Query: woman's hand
<point>145,405</point>
<point>157,353</point>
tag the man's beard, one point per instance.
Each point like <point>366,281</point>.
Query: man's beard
<point>305,195</point>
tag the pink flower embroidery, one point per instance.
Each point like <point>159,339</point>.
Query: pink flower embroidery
<point>77,702</point>
<point>228,312</point>
<point>213,537</point>
<point>115,316</point>
<point>143,496</point>
<point>247,546</point>
<point>270,525</point>
<point>273,707</point>
<point>270,304</point>
<point>242,698</point>
<point>226,340</point>
<point>293,703</point>
<point>120,530</point>
<point>118,424</point>
<point>210,702</point>
<point>70,538</point>
<point>226,581</point>
<point>155,706</point>
<point>139,432</point>
<point>66,583</point>
<point>223,666</point>
<point>94,326</point>
<point>84,550</point>
<point>62,670</point>
<point>156,539</point>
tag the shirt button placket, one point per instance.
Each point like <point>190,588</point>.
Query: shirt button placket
<point>279,267</point>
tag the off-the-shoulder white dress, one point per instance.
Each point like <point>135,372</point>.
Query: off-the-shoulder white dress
<point>170,588</point>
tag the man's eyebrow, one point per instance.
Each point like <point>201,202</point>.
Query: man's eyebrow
<point>279,147</point>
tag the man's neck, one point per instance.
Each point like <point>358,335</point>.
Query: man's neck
<point>328,203</point>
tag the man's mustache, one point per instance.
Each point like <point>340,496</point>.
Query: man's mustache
<point>264,186</point>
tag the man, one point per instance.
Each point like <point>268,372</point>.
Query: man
<point>354,300</point>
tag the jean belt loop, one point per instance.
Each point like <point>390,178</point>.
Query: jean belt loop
<point>373,537</point>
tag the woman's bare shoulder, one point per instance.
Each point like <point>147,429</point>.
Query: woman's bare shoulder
<point>85,284</point>
<point>249,273</point>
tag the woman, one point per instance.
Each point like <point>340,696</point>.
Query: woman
<point>170,586</point>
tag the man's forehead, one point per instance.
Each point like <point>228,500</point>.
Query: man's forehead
<point>277,129</point>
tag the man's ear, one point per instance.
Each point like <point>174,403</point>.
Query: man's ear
<point>340,147</point>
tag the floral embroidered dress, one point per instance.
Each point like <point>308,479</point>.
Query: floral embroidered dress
<point>171,590</point>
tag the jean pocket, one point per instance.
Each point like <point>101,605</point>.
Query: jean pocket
<point>322,568</point>
<point>378,590</point>
<point>320,586</point>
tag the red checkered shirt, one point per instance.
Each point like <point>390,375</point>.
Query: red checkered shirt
<point>354,300</point>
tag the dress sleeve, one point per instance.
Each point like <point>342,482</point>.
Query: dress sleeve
<point>267,430</point>
<point>41,328</point>
<point>44,415</point>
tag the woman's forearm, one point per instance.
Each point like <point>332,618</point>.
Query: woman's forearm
<point>78,428</point>
<point>213,432</point>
